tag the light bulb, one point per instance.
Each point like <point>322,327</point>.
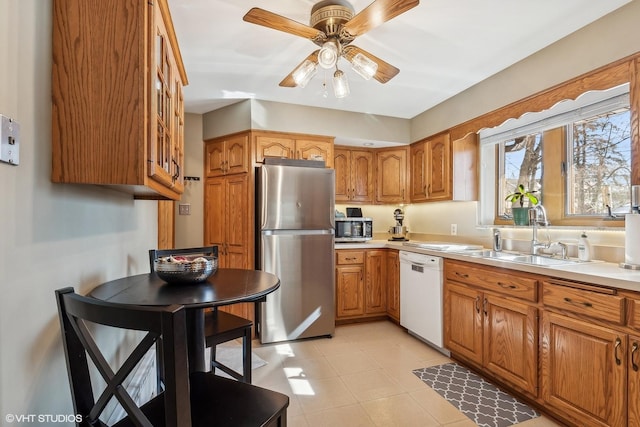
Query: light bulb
<point>304,73</point>
<point>328,55</point>
<point>364,66</point>
<point>340,84</point>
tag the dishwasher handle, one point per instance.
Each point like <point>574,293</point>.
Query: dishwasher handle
<point>428,261</point>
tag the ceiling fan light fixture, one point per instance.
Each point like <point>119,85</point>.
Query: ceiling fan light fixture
<point>340,84</point>
<point>328,55</point>
<point>304,73</point>
<point>364,66</point>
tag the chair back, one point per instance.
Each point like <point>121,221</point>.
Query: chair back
<point>205,250</point>
<point>76,313</point>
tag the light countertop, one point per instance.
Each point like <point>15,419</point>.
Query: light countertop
<point>596,272</point>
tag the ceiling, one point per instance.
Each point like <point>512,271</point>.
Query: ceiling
<point>441,47</point>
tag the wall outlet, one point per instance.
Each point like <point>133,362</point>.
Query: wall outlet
<point>454,229</point>
<point>184,209</point>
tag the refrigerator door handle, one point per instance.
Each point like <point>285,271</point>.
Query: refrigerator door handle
<point>295,232</point>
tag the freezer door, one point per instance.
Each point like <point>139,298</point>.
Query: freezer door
<point>304,305</point>
<point>296,198</point>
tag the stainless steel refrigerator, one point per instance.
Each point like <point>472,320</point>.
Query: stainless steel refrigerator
<point>295,217</point>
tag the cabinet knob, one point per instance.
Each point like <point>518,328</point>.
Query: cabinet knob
<point>634,362</point>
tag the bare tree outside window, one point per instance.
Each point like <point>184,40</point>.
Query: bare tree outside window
<point>600,165</point>
<point>521,164</point>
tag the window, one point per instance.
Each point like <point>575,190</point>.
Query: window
<point>576,155</point>
<point>599,164</point>
<point>521,164</point>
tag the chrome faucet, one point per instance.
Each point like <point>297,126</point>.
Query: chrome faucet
<point>563,249</point>
<point>535,220</point>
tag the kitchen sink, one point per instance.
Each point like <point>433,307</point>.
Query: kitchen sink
<point>520,258</point>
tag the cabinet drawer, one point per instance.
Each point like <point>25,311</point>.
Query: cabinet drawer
<point>634,313</point>
<point>349,257</point>
<point>604,305</point>
<point>510,284</point>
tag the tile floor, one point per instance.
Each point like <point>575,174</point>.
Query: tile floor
<point>360,377</point>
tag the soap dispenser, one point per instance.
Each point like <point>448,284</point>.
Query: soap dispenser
<point>584,248</point>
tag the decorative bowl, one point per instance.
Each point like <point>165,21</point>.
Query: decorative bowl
<point>185,269</point>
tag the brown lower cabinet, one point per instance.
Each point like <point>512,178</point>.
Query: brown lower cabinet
<point>492,330</point>
<point>572,348</point>
<point>589,365</point>
<point>362,283</point>
<point>393,285</point>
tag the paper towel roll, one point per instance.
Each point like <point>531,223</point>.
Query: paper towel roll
<point>632,239</point>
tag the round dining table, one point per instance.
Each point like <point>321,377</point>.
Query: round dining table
<point>226,286</point>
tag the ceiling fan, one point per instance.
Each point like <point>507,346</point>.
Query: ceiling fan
<point>333,26</point>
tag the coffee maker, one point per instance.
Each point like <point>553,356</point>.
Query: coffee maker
<point>398,232</point>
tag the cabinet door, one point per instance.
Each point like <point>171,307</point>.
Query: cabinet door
<point>272,146</point>
<point>236,222</point>
<point>463,321</point>
<point>315,150</point>
<point>237,155</point>
<point>418,172</point>
<point>226,219</point>
<point>178,135</point>
<point>393,285</point>
<point>391,167</point>
<point>362,177</point>
<point>160,147</point>
<point>511,341</point>
<point>214,214</point>
<point>438,160</point>
<point>584,370</point>
<point>634,381</point>
<point>342,166</point>
<point>214,158</point>
<point>349,291</point>
<point>375,282</point>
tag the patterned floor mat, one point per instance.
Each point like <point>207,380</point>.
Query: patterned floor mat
<point>482,402</point>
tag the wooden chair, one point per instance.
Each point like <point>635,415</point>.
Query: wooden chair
<point>199,399</point>
<point>220,326</point>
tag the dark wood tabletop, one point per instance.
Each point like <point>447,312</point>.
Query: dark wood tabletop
<point>226,286</point>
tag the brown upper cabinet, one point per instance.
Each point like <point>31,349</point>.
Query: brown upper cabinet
<point>444,170</point>
<point>392,176</point>
<point>117,108</point>
<point>293,146</point>
<point>227,155</point>
<point>354,175</point>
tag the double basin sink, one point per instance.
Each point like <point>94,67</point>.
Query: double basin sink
<point>478,252</point>
<point>520,258</point>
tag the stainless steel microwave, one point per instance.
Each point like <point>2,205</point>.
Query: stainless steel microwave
<point>354,229</point>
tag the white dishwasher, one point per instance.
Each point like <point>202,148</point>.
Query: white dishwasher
<point>421,296</point>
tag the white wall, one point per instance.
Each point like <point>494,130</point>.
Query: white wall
<point>608,39</point>
<point>189,229</point>
<point>275,116</point>
<point>51,235</point>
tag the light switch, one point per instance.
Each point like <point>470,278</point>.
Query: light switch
<point>184,209</point>
<point>9,141</point>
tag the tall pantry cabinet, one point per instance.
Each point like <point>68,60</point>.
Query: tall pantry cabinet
<point>117,106</point>
<point>228,206</point>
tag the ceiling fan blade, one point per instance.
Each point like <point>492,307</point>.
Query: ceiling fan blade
<point>377,13</point>
<point>271,20</point>
<point>385,70</point>
<point>288,81</point>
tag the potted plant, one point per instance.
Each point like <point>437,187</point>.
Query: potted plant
<point>520,213</point>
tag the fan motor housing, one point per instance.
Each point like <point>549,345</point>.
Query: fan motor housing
<point>328,16</point>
